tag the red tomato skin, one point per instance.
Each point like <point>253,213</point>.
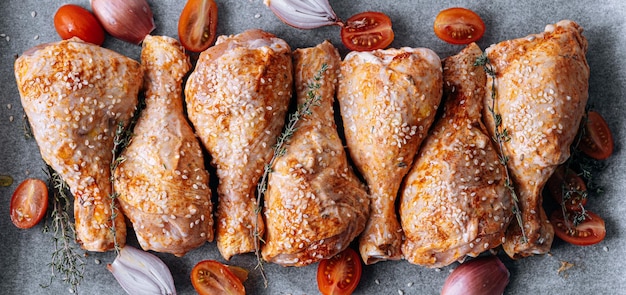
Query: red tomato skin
<point>29,203</point>
<point>367,31</point>
<point>223,280</point>
<point>592,228</point>
<point>569,179</point>
<point>74,21</point>
<point>597,141</point>
<point>332,278</point>
<point>197,25</point>
<point>459,26</point>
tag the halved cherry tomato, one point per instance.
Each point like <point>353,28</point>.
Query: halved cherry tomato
<point>459,25</point>
<point>197,25</point>
<point>367,31</point>
<point>210,277</point>
<point>74,21</point>
<point>574,186</point>
<point>597,140</point>
<point>340,274</point>
<point>29,203</point>
<point>240,272</point>
<point>588,232</point>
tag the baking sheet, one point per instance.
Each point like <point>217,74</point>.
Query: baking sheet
<point>598,269</point>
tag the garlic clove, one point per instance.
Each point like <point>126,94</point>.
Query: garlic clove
<point>128,20</point>
<point>483,275</point>
<point>304,14</point>
<point>140,272</point>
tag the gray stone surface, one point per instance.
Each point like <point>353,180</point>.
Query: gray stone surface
<point>598,269</point>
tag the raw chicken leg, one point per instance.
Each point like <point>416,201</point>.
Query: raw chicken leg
<point>388,100</point>
<point>237,99</point>
<point>540,92</point>
<point>314,205</point>
<point>163,184</point>
<point>75,94</point>
<point>454,202</point>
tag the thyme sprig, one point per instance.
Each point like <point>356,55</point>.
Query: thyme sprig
<point>501,135</point>
<point>567,192</point>
<point>66,259</point>
<point>120,142</point>
<point>28,131</point>
<point>586,166</point>
<point>304,109</point>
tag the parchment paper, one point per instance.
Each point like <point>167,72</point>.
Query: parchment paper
<point>598,269</point>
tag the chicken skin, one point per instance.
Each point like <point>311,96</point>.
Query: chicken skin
<point>454,202</point>
<point>388,100</point>
<point>237,99</point>
<point>75,95</point>
<point>162,183</point>
<point>314,205</point>
<point>541,89</point>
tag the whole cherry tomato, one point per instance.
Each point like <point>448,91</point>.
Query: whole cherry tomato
<point>74,21</point>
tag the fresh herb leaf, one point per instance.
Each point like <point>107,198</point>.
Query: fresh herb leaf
<point>501,135</point>
<point>313,98</point>
<point>121,140</point>
<point>66,259</point>
<point>587,166</point>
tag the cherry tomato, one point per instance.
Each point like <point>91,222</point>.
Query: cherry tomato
<point>572,183</point>
<point>597,140</point>
<point>74,21</point>
<point>210,277</point>
<point>240,272</point>
<point>340,274</point>
<point>588,232</point>
<point>197,25</point>
<point>367,31</point>
<point>459,26</point>
<point>29,203</point>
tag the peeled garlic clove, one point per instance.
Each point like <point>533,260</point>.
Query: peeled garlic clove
<point>128,20</point>
<point>140,272</point>
<point>484,275</point>
<point>304,14</point>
